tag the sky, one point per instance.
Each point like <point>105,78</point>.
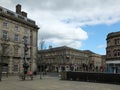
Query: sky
<point>80,24</point>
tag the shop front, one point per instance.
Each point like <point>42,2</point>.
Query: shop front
<point>113,66</point>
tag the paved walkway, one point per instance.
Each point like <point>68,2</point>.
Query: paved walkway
<point>52,83</point>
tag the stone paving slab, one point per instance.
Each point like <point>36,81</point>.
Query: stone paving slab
<point>52,83</point>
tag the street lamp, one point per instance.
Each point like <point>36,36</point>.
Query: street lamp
<point>1,62</point>
<point>2,54</point>
<point>0,69</point>
<point>25,64</point>
<point>39,64</point>
<point>40,67</point>
<point>30,65</point>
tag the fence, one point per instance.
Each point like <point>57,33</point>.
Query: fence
<point>91,76</point>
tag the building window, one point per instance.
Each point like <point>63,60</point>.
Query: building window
<point>5,35</point>
<point>5,24</point>
<point>117,41</point>
<point>16,38</point>
<point>118,52</point>
<point>15,51</point>
<point>15,68</point>
<point>115,52</point>
<point>108,53</point>
<point>25,39</point>
<point>16,28</point>
<point>4,69</point>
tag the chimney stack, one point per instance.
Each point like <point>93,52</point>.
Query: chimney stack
<point>18,9</point>
<point>24,14</point>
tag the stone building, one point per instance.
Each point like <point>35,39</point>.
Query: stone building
<point>113,52</point>
<point>13,27</point>
<point>103,63</point>
<point>68,57</point>
<point>95,60</point>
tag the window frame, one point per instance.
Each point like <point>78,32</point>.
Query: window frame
<point>16,37</point>
<point>5,24</point>
<point>15,67</point>
<point>5,34</point>
<point>16,28</point>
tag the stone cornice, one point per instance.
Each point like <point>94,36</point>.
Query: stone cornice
<point>112,35</point>
<point>19,20</point>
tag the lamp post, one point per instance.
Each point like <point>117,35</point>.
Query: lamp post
<point>40,67</point>
<point>1,61</point>
<point>30,65</point>
<point>0,69</point>
<point>25,64</point>
<point>41,58</point>
<point>2,54</point>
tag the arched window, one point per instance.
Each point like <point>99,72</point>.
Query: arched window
<point>115,52</point>
<point>108,53</point>
<point>117,41</point>
<point>118,52</point>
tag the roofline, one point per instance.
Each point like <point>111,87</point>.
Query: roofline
<point>15,16</point>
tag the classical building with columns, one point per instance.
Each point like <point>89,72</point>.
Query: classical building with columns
<point>95,60</point>
<point>113,52</point>
<point>67,57</point>
<point>13,27</point>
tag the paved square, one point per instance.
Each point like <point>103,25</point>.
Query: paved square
<point>52,83</point>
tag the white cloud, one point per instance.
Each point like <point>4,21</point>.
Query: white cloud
<point>7,4</point>
<point>59,33</point>
<point>60,20</point>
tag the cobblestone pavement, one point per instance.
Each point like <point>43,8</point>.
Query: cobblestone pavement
<point>52,83</point>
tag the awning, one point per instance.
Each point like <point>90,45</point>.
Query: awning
<point>113,62</point>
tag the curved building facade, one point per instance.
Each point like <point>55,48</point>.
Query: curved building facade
<point>113,52</point>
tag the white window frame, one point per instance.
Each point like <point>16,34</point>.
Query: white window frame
<point>16,67</point>
<point>5,35</point>
<point>26,40</point>
<point>16,28</point>
<point>5,24</point>
<point>16,38</point>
